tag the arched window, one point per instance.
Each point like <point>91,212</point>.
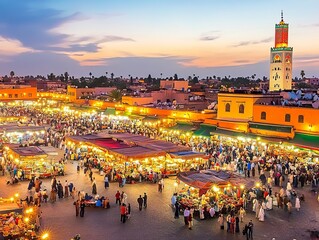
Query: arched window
<point>300,119</point>
<point>241,108</point>
<point>287,118</point>
<point>227,107</point>
<point>263,115</point>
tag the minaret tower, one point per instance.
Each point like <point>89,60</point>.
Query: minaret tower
<point>281,59</point>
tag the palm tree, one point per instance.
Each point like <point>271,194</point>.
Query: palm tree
<point>112,76</point>
<point>161,75</point>
<point>106,74</point>
<point>12,74</point>
<point>66,76</point>
<point>51,76</point>
<point>302,74</point>
<point>90,75</point>
<point>116,95</point>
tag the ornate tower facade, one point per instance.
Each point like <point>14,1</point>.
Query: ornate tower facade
<point>281,59</point>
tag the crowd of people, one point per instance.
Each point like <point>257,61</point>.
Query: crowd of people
<point>280,171</point>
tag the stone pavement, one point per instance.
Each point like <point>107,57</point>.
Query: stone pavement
<point>157,221</point>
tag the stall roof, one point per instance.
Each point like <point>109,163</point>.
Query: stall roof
<point>109,144</point>
<point>209,177</point>
<point>109,111</point>
<point>16,128</point>
<point>205,130</point>
<point>306,141</point>
<point>137,152</point>
<point>187,154</point>
<point>87,138</point>
<point>143,146</point>
<point>130,137</point>
<point>182,126</point>
<point>163,145</point>
<point>10,207</point>
<point>49,150</point>
<point>28,151</point>
<point>151,119</point>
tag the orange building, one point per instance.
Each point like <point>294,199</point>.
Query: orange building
<point>180,85</point>
<point>137,100</point>
<point>301,119</point>
<point>17,92</point>
<point>75,93</point>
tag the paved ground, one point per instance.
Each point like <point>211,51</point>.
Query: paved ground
<point>157,221</point>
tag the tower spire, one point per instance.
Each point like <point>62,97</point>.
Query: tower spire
<point>282,15</point>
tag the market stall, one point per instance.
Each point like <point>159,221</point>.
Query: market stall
<point>131,154</point>
<point>17,222</point>
<point>23,135</point>
<point>208,188</point>
<point>30,162</point>
<point>184,161</point>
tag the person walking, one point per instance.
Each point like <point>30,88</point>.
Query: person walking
<point>140,202</point>
<point>242,213</point>
<point>237,224</point>
<point>94,190</point>
<point>60,190</point>
<point>232,224</point>
<point>118,198</point>
<point>176,215</point>
<point>186,215</point>
<point>66,189</point>
<point>128,211</point>
<point>91,175</point>
<point>77,207</point>
<point>249,232</point>
<point>71,186</point>
<point>159,186</point>
<point>106,182</point>
<point>123,213</point>
<point>190,221</point>
<point>123,198</point>
<point>221,221</point>
<point>297,203</point>
<point>228,222</point>
<point>261,214</point>
<point>289,206</point>
<point>145,200</point>
<point>52,195</point>
<point>82,207</point>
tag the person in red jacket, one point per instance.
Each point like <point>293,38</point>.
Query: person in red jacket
<point>123,213</point>
<point>118,198</point>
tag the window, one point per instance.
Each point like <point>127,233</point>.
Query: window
<point>241,108</point>
<point>15,95</point>
<point>10,95</point>
<point>29,94</point>
<point>263,115</point>
<point>300,119</point>
<point>287,118</point>
<point>227,107</point>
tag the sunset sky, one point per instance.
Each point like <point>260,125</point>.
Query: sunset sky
<point>138,37</point>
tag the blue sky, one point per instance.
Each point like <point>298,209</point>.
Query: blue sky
<point>203,37</point>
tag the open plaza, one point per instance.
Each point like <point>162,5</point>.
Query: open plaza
<point>59,156</point>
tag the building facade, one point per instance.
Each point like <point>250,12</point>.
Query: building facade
<point>179,85</point>
<point>17,92</point>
